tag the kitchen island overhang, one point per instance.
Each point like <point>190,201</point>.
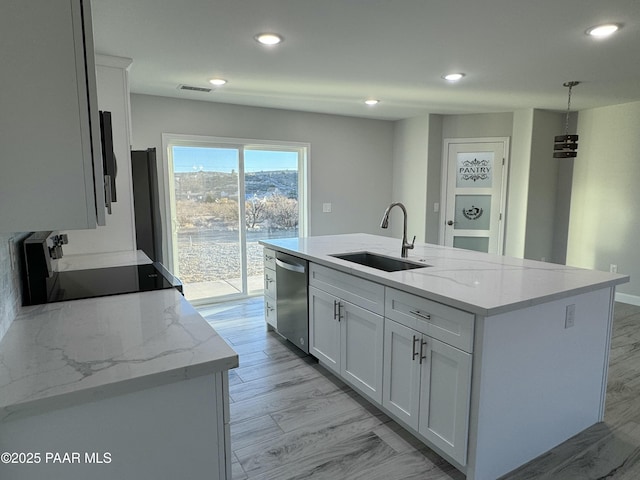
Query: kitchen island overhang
<point>541,340</point>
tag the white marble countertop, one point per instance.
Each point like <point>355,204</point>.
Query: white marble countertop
<point>101,260</point>
<point>63,354</point>
<point>480,283</point>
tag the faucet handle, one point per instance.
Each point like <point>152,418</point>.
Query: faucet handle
<point>413,241</point>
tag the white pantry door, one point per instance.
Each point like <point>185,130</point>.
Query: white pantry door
<point>473,198</point>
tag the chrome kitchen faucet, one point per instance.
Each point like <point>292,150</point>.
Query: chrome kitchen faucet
<point>385,224</point>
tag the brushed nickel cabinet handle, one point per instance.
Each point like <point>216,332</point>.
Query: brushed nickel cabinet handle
<point>414,354</point>
<point>418,313</point>
<point>422,357</point>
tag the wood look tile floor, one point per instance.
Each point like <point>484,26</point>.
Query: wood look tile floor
<point>293,419</point>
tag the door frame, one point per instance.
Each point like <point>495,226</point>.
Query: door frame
<point>167,189</point>
<point>444,183</point>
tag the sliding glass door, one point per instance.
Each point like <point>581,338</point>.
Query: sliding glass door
<point>225,196</point>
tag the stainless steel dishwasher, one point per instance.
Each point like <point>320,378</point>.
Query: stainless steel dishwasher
<point>291,299</point>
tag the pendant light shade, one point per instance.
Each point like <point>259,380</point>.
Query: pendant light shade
<point>566,145</point>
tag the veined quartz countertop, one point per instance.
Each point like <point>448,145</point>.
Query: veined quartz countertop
<point>63,354</point>
<point>480,283</point>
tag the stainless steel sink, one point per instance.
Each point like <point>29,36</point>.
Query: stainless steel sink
<point>380,262</point>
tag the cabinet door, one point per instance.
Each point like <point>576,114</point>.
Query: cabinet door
<point>444,398</point>
<point>401,373</point>
<point>270,283</point>
<point>49,125</point>
<point>271,312</point>
<point>361,349</point>
<point>324,329</point>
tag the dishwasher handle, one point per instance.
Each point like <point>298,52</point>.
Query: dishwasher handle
<point>290,266</point>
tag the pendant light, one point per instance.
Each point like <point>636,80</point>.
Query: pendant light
<point>566,145</point>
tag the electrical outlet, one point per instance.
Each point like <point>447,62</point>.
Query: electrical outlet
<point>326,208</point>
<point>613,268</point>
<point>436,207</point>
<point>570,316</point>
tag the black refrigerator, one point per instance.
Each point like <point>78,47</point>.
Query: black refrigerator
<point>146,202</point>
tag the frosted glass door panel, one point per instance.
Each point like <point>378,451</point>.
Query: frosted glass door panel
<point>474,170</point>
<point>473,212</point>
<point>475,193</point>
<point>479,244</point>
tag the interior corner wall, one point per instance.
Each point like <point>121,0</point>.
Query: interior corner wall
<point>410,168</point>
<point>434,179</point>
<point>518,189</point>
<point>350,161</point>
<point>604,227</point>
<point>543,183</point>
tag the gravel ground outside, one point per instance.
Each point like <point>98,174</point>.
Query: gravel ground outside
<point>216,255</point>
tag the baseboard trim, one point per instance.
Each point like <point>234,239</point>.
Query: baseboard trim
<point>626,298</point>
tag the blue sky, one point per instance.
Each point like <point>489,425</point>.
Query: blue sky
<point>193,159</point>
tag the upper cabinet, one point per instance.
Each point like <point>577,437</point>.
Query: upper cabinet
<point>50,154</point>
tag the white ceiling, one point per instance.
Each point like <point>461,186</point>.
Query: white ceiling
<point>515,53</point>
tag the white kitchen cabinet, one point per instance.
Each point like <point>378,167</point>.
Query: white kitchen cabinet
<point>118,235</point>
<point>445,389</point>
<point>52,174</point>
<point>427,385</point>
<point>270,305</point>
<point>401,372</point>
<point>324,329</point>
<point>345,337</point>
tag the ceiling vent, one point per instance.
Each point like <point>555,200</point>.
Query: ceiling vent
<point>194,89</point>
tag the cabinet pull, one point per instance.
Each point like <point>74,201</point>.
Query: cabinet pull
<point>418,313</point>
<point>340,316</point>
<point>269,257</point>
<point>414,354</point>
<point>335,309</point>
<point>107,191</point>
<point>422,357</point>
<point>269,280</point>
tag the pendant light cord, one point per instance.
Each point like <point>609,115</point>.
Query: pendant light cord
<point>566,121</point>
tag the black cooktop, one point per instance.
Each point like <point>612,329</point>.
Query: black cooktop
<point>100,282</point>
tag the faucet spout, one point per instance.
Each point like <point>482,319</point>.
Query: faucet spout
<point>385,224</point>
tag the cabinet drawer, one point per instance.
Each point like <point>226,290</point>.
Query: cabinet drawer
<point>269,258</point>
<point>271,312</point>
<point>365,294</point>
<point>450,325</point>
<point>270,283</point>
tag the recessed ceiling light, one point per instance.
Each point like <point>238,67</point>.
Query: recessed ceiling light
<point>453,77</point>
<point>602,31</point>
<point>372,101</point>
<point>268,38</point>
<point>218,82</point>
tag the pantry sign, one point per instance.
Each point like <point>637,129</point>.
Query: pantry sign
<point>474,170</point>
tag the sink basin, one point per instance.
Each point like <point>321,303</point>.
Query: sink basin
<point>380,262</point>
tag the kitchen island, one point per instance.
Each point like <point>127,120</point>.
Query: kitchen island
<point>124,386</point>
<point>490,360</point>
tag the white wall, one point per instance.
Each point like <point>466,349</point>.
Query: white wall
<point>434,180</point>
<point>518,190</point>
<point>604,227</point>
<point>350,159</point>
<point>543,182</point>
<point>410,157</point>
